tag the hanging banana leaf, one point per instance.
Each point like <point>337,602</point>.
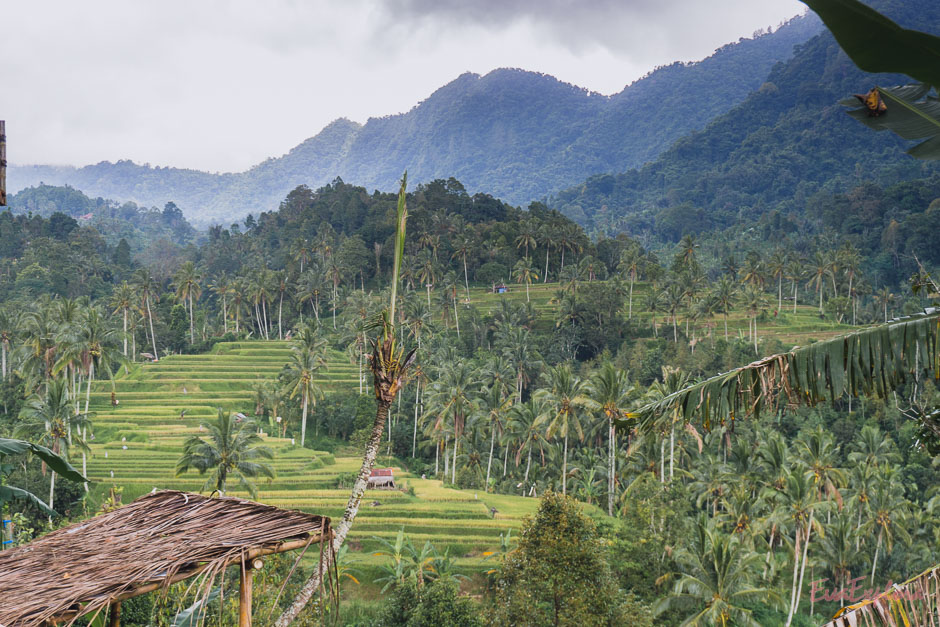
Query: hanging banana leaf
<point>876,44</point>
<point>54,461</point>
<point>871,362</point>
<point>911,111</point>
<point>9,493</point>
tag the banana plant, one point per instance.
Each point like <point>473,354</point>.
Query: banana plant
<point>877,44</point>
<point>56,463</point>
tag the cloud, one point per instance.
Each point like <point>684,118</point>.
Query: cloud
<point>225,84</point>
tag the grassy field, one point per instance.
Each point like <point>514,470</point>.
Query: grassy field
<point>140,441</point>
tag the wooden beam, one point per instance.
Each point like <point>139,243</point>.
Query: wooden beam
<point>282,547</point>
<point>244,594</point>
<point>3,163</point>
<point>114,615</point>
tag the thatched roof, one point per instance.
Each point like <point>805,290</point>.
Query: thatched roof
<point>159,539</point>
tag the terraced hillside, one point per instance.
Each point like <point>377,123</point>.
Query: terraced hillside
<point>150,423</point>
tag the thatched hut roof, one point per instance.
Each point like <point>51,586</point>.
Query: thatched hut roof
<point>157,540</point>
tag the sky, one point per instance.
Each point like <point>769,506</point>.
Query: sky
<point>221,85</point>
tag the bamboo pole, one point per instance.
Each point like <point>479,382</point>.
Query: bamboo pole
<point>244,595</point>
<point>114,616</point>
<point>3,163</point>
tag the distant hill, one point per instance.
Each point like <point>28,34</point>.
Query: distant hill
<point>515,134</point>
<point>787,142</point>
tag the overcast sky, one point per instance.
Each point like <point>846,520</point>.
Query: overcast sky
<point>220,85</point>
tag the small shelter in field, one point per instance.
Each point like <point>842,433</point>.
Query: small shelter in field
<point>165,537</point>
<point>382,478</point>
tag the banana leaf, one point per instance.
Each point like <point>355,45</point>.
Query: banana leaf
<point>9,493</point>
<point>56,462</point>
<point>191,616</point>
<point>877,44</point>
<point>873,361</point>
<point>912,112</point>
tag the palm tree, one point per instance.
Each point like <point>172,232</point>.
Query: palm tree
<point>233,448</point>
<point>147,290</point>
<point>674,297</point>
<point>724,296</point>
<point>122,300</point>
<point>549,239</point>
<point>795,273</point>
<point>280,278</point>
<point>304,365</point>
<point>187,280</point>
<point>301,252</point>
<point>716,581</point>
<point>631,259</point>
<point>518,348</point>
<point>47,418</point>
<point>568,239</point>
<point>526,237</point>
<point>452,398</point>
<point>563,397</point>
<point>819,269</point>
<point>610,391</point>
<point>239,289</point>
<point>889,514</point>
<point>493,406</point>
<point>9,324</point>
<point>525,273</point>
<point>754,303</point>
<point>777,265</point>
<point>884,297</point>
<point>463,246</point>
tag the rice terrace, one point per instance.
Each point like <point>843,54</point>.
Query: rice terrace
<point>658,346</point>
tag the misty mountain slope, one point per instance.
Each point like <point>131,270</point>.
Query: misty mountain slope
<point>783,144</point>
<point>518,135</point>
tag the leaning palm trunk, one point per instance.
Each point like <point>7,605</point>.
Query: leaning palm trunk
<point>389,365</point>
<point>153,337</point>
<point>611,473</point>
<point>389,368</point>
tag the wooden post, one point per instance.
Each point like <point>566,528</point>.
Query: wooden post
<point>3,163</point>
<point>114,615</point>
<point>244,595</point>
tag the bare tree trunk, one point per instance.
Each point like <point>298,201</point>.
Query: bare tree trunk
<point>303,421</point>
<point>672,449</point>
<point>224,314</point>
<point>153,337</point>
<point>630,316</point>
<point>352,508</point>
<point>564,464</point>
<point>125,345</point>
<point>51,489</point>
<point>612,470</point>
<point>192,336</point>
<point>465,281</point>
<point>280,306</point>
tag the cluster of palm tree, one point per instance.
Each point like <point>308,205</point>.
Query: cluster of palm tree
<point>58,348</point>
<point>833,273</point>
<point>773,514</point>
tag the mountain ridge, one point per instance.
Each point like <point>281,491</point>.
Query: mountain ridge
<point>516,134</point>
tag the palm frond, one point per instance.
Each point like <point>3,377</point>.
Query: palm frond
<point>874,361</point>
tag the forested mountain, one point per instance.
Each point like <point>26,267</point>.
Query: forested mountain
<point>516,134</point>
<point>782,149</point>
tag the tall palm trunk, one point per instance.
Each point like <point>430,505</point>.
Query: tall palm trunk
<point>303,421</point>
<point>630,316</point>
<point>545,277</point>
<point>779,292</point>
<point>91,377</point>
<point>224,314</point>
<point>192,337</point>
<point>611,473</point>
<point>352,508</point>
<point>466,282</point>
<point>153,337</point>
<point>528,464</point>
<point>874,562</point>
<point>795,294</point>
<point>453,468</point>
<point>125,344</point>
<point>264,310</point>
<point>51,489</point>
<point>489,464</point>
<point>414,436</point>
<point>564,463</point>
<point>280,306</point>
<point>672,449</point>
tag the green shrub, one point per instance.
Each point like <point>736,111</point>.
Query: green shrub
<point>432,605</point>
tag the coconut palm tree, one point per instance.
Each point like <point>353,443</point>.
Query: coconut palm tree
<point>493,406</point>
<point>525,273</point>
<point>716,580</point>
<point>122,300</point>
<point>795,273</point>
<point>187,280</point>
<point>390,364</point>
<point>233,448</point>
<point>563,396</point>
<point>463,246</point>
<point>148,291</point>
<point>525,426</point>
<point>724,296</point>
<point>452,399</point>
<point>305,363</point>
<point>819,270</point>
<point>609,391</point>
<point>777,267</point>
<point>47,417</point>
<point>631,260</point>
